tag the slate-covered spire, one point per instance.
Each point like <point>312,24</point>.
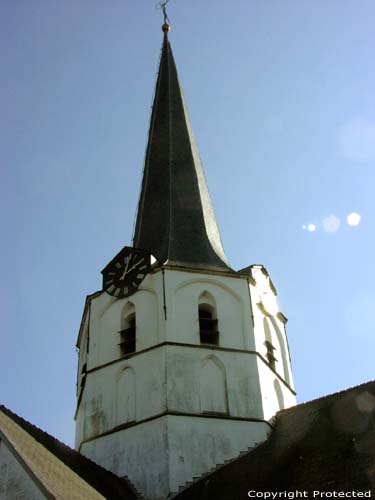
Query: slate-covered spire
<point>175,219</point>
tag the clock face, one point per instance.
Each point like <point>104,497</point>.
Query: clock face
<point>125,273</point>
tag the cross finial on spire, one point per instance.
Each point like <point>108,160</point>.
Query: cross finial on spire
<point>163,6</point>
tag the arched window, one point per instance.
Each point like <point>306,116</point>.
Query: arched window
<point>128,330</point>
<point>270,355</point>
<point>208,332</point>
<point>269,345</point>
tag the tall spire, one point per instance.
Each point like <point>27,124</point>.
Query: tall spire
<point>175,219</point>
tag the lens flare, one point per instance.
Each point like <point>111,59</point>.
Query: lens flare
<point>353,219</point>
<point>311,228</point>
<point>331,224</point>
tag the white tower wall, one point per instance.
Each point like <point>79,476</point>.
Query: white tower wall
<point>176,408</point>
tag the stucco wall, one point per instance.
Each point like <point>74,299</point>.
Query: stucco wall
<point>174,378</point>
<point>233,376</point>
<point>179,407</point>
<point>232,308</point>
<point>139,452</point>
<point>103,403</point>
<point>161,455</point>
<point>275,384</point>
<point>106,322</point>
<point>196,445</point>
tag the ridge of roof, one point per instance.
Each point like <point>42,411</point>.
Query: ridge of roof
<point>103,481</point>
<point>322,399</point>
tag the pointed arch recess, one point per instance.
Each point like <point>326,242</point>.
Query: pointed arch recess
<point>213,386</point>
<point>207,299</point>
<point>279,394</point>
<point>127,311</point>
<point>126,396</point>
<point>209,281</point>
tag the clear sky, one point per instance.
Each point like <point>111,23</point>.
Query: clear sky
<point>281,97</point>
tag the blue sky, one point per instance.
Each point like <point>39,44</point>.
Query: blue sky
<point>280,94</point>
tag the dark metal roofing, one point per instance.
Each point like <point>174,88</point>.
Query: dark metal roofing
<point>104,482</point>
<point>325,445</point>
<point>175,219</point>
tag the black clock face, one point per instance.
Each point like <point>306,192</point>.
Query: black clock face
<point>126,272</point>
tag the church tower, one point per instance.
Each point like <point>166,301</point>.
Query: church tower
<point>183,361</point>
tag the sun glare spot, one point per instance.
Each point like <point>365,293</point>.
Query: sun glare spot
<point>331,224</point>
<point>353,219</point>
<point>311,228</point>
<point>366,402</point>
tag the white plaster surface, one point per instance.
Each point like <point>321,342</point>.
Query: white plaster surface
<point>161,455</point>
<point>200,385</point>
<point>105,404</point>
<point>139,452</point>
<point>196,445</point>
<point>232,376</point>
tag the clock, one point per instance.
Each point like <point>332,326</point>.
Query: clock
<point>123,275</point>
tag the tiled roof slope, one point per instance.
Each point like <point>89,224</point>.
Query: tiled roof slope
<point>327,444</point>
<point>62,471</point>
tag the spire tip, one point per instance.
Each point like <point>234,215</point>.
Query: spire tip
<point>163,6</point>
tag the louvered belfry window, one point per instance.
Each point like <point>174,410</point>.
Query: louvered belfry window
<point>207,327</point>
<point>270,354</point>
<point>128,337</point>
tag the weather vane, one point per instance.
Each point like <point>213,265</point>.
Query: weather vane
<point>163,6</point>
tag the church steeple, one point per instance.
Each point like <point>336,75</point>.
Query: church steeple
<point>175,219</point>
<point>181,364</point>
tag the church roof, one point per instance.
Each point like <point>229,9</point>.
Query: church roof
<point>61,471</point>
<point>327,444</point>
<point>175,219</point>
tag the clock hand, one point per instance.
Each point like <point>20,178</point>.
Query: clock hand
<point>126,269</point>
<point>133,267</point>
